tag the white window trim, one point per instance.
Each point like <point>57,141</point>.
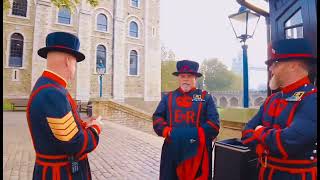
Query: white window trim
<point>109,20</point>
<point>71,18</point>
<point>139,4</point>
<point>8,51</point>
<point>95,59</point>
<point>18,75</point>
<point>21,17</point>
<point>138,63</point>
<point>128,35</point>
<point>96,23</point>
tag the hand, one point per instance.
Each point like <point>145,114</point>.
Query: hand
<point>94,121</point>
<point>258,127</point>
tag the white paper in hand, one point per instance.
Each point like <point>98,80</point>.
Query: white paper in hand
<point>99,120</point>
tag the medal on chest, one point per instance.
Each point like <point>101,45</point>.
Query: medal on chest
<point>197,98</point>
<point>296,96</point>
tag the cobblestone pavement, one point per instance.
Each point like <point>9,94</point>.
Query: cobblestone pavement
<point>122,153</point>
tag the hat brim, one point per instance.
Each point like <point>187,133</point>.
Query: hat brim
<point>309,60</point>
<point>43,52</point>
<point>194,73</point>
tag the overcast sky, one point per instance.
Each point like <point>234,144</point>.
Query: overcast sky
<point>199,29</point>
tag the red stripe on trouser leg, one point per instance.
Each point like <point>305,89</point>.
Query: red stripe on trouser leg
<point>303,176</point>
<point>54,174</point>
<point>44,172</point>
<point>68,173</point>
<point>270,174</point>
<point>58,172</point>
<point>314,173</point>
<point>261,173</point>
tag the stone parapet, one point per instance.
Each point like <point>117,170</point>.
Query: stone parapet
<point>232,120</point>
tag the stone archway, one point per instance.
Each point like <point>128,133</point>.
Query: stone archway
<point>258,101</point>
<point>234,102</point>
<point>223,102</point>
<point>215,100</point>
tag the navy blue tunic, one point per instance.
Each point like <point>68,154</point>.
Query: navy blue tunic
<point>191,118</point>
<point>286,145</point>
<point>57,131</point>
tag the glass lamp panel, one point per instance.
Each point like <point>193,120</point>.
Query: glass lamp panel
<point>238,22</point>
<point>252,23</point>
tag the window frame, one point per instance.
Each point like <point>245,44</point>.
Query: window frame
<point>8,50</point>
<point>138,33</point>
<point>57,18</point>
<point>17,16</point>
<point>107,25</point>
<point>133,6</point>
<point>138,63</point>
<point>95,59</point>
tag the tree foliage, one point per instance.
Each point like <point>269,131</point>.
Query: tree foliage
<point>69,4</point>
<point>169,82</point>
<point>217,77</point>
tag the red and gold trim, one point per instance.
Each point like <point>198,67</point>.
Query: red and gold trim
<point>296,85</point>
<point>96,128</point>
<point>285,56</point>
<point>55,77</point>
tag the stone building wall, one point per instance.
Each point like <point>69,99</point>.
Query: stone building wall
<point>42,19</point>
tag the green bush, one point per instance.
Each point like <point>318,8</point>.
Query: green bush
<point>7,105</point>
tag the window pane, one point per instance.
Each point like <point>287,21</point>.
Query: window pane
<point>133,66</point>
<point>135,3</point>
<point>64,16</point>
<point>102,22</point>
<point>294,20</point>
<point>101,56</point>
<point>133,29</point>
<point>19,8</point>
<point>294,33</point>
<point>16,50</point>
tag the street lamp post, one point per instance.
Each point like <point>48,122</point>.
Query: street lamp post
<point>244,23</point>
<point>101,70</point>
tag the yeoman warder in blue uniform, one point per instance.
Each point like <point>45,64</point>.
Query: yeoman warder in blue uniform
<point>188,120</point>
<point>284,131</point>
<point>60,138</point>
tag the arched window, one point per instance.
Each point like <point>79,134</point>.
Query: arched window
<point>16,50</point>
<point>133,66</point>
<point>135,3</point>
<point>64,16</point>
<point>101,56</point>
<point>102,22</point>
<point>19,8</point>
<point>133,29</point>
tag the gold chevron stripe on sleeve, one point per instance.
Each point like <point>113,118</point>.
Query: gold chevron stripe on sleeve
<point>63,128</point>
<point>60,120</point>
<point>67,137</point>
<point>63,132</point>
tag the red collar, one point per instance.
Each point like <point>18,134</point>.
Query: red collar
<point>55,77</point>
<point>191,90</point>
<point>296,85</point>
